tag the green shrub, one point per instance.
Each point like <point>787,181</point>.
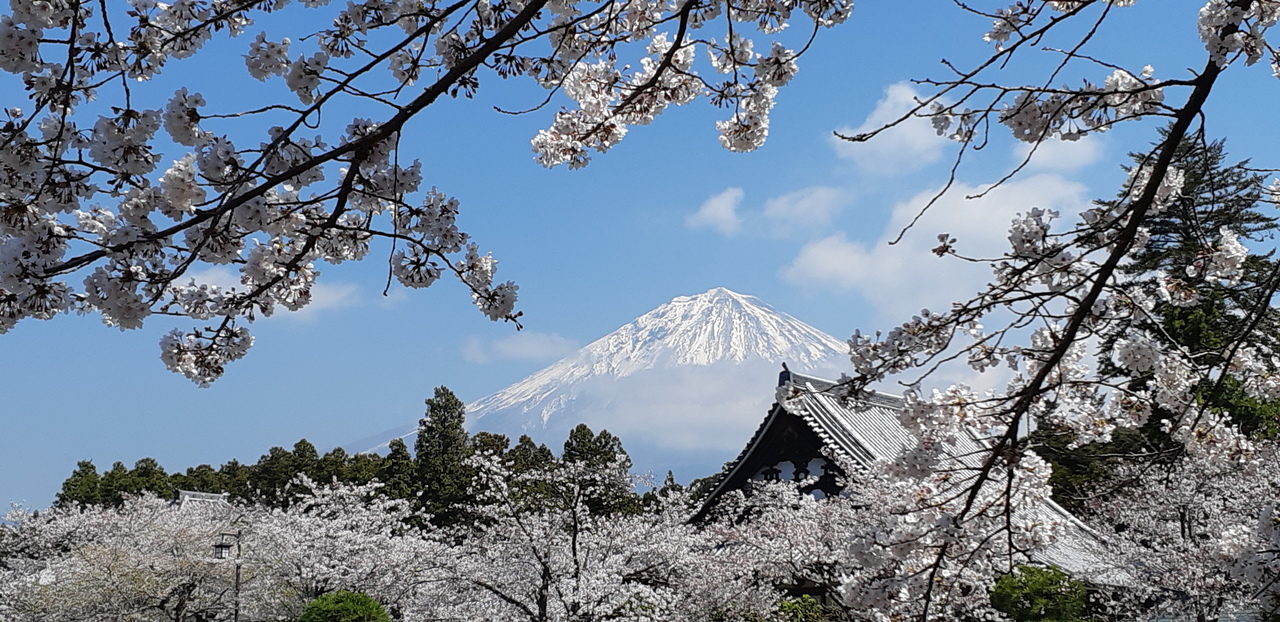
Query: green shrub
<point>344,607</point>
<point>1031,594</point>
<point>802,609</point>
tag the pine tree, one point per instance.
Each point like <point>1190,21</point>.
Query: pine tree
<point>1214,197</point>
<point>271,475</point>
<point>83,488</point>
<point>489,443</point>
<point>527,456</point>
<point>115,485</point>
<point>202,478</point>
<point>306,460</point>
<point>237,479</point>
<point>148,476</point>
<point>362,468</point>
<point>584,446</point>
<point>441,449</point>
<point>603,453</point>
<point>397,472</point>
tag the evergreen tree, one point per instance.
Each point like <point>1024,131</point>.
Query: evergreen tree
<point>237,479</point>
<point>115,485</point>
<point>333,466</point>
<point>1214,197</point>
<point>203,478</point>
<point>397,472</point>
<point>306,460</point>
<point>83,488</point>
<point>271,476</point>
<point>527,456</point>
<point>441,449</point>
<point>489,443</point>
<point>587,447</point>
<point>601,453</point>
<point>362,468</point>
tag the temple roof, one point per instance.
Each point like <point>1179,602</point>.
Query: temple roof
<point>869,431</point>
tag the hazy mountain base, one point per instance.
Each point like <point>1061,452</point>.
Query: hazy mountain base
<point>689,419</point>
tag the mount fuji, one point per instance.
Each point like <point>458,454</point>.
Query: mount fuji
<point>683,386</point>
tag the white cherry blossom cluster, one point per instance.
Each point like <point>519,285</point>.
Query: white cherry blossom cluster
<point>90,221</point>
<point>1223,262</point>
<point>1229,28</point>
<point>1201,532</point>
<point>1062,290</point>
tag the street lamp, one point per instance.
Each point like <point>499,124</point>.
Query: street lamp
<point>222,550</point>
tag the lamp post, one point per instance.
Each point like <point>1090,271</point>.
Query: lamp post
<point>222,550</point>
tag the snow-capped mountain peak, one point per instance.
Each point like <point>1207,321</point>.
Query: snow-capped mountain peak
<point>717,326</point>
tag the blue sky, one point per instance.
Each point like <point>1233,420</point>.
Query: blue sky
<point>800,223</point>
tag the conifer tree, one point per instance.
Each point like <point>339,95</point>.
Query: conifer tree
<point>489,443</point>
<point>115,485</point>
<point>598,453</point>
<point>271,475</point>
<point>306,459</point>
<point>362,468</point>
<point>527,456</point>
<point>587,447</point>
<point>83,488</point>
<point>148,476</point>
<point>441,449</point>
<point>202,478</point>
<point>397,472</point>
<point>1215,198</point>
<point>237,479</point>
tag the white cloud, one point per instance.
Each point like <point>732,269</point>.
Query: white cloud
<point>1061,155</point>
<point>220,276</point>
<point>807,208</point>
<point>910,146</point>
<point>329,295</point>
<point>522,346</point>
<point>324,294</point>
<point>720,212</point>
<point>900,280</point>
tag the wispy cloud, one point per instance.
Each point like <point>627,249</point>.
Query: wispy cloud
<point>719,212</point>
<point>901,279</point>
<point>522,346</point>
<point>325,294</point>
<point>1062,155</point>
<point>811,207</point>
<point>911,146</point>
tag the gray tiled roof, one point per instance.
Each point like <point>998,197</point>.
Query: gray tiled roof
<point>187,497</point>
<point>870,431</point>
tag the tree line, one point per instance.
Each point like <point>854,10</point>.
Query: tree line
<point>435,474</point>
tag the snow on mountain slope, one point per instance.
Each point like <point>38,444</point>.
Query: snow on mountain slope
<point>683,385</point>
<point>710,328</point>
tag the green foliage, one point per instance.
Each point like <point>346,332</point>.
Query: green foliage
<point>802,609</point>
<point>798,609</point>
<point>435,474</point>
<point>442,449</point>
<point>1031,594</point>
<point>84,487</point>
<point>1214,195</point>
<point>489,443</point>
<point>344,607</point>
<point>397,471</point>
<point>596,452</point>
<point>526,456</point>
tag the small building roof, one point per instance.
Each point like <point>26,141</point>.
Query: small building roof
<point>188,497</point>
<point>869,431</point>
